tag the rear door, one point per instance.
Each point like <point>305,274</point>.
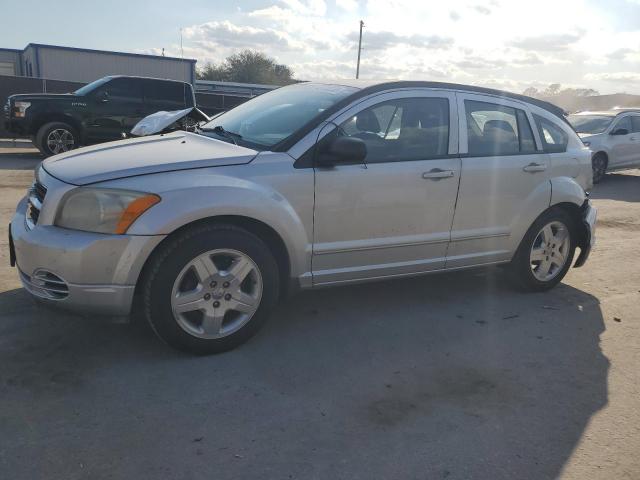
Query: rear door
<point>504,181</point>
<point>392,214</point>
<point>116,107</point>
<point>635,138</point>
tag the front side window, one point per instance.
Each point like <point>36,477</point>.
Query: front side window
<point>554,138</point>
<point>402,130</point>
<point>494,129</point>
<point>635,123</point>
<point>123,90</point>
<point>623,124</point>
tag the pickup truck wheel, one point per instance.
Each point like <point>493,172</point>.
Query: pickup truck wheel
<point>56,137</point>
<point>599,166</point>
<point>210,288</point>
<point>546,252</point>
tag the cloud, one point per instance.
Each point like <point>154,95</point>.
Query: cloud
<point>615,77</point>
<point>385,40</point>
<point>349,5</point>
<point>455,16</point>
<point>621,54</point>
<point>547,43</point>
<point>227,34</point>
<point>482,9</point>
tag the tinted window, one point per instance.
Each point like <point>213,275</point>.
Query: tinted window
<point>123,90</point>
<point>168,95</point>
<point>623,123</point>
<point>554,138</point>
<point>404,129</point>
<point>635,123</point>
<point>497,130</point>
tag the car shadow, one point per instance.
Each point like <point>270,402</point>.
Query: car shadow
<point>453,376</point>
<point>624,187</point>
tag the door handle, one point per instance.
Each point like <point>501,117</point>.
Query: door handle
<point>535,167</point>
<point>437,174</point>
<point>632,138</point>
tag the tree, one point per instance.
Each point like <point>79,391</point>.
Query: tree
<point>531,92</point>
<point>248,66</point>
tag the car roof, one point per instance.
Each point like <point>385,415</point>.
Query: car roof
<point>609,113</point>
<point>146,78</point>
<point>371,86</point>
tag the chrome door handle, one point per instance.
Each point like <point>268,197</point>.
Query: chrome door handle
<point>438,174</point>
<point>535,167</point>
<point>632,138</point>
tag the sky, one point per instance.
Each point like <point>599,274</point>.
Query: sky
<point>508,44</point>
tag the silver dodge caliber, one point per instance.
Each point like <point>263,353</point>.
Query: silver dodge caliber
<point>309,185</point>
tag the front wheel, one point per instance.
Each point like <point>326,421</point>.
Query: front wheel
<point>210,288</point>
<point>546,252</point>
<point>56,137</point>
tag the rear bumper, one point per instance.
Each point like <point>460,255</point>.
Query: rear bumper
<point>588,238</point>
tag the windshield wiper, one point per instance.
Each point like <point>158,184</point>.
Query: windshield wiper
<point>219,129</point>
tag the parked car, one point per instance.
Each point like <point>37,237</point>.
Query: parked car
<point>101,111</point>
<point>613,136</point>
<point>306,186</point>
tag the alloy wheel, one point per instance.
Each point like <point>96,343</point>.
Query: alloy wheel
<point>60,140</point>
<point>550,251</point>
<point>216,293</point>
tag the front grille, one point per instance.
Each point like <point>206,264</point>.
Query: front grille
<point>45,284</point>
<point>7,110</point>
<point>37,192</point>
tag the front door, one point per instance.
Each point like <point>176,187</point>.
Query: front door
<point>623,146</point>
<point>504,182</point>
<point>116,107</point>
<point>390,215</point>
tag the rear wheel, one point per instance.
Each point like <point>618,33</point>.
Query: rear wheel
<point>210,288</point>
<point>546,252</point>
<point>56,137</point>
<point>599,166</point>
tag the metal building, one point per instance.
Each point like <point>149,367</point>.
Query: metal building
<point>85,65</point>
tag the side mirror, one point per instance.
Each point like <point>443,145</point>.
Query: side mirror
<point>620,131</point>
<point>342,150</point>
<point>102,97</point>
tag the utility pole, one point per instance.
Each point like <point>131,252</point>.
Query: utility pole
<point>359,50</point>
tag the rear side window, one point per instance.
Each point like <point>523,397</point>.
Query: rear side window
<point>168,95</point>
<point>402,130</point>
<point>497,130</point>
<point>635,122</point>
<point>554,138</point>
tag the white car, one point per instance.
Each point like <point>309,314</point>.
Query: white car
<point>613,136</point>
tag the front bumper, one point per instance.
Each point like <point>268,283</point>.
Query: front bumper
<point>86,272</point>
<point>588,238</point>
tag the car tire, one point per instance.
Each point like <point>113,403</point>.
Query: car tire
<point>543,246</point>
<point>210,288</point>
<point>56,137</point>
<point>599,166</point>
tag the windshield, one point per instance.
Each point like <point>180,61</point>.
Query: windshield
<point>90,87</point>
<point>271,117</point>
<point>590,123</point>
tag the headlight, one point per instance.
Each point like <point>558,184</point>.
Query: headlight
<point>20,108</point>
<point>102,210</point>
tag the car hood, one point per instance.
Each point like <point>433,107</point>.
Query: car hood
<point>142,156</point>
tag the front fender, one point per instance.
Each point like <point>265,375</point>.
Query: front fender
<point>190,196</point>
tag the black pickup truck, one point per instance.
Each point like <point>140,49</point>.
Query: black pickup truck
<point>104,110</point>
